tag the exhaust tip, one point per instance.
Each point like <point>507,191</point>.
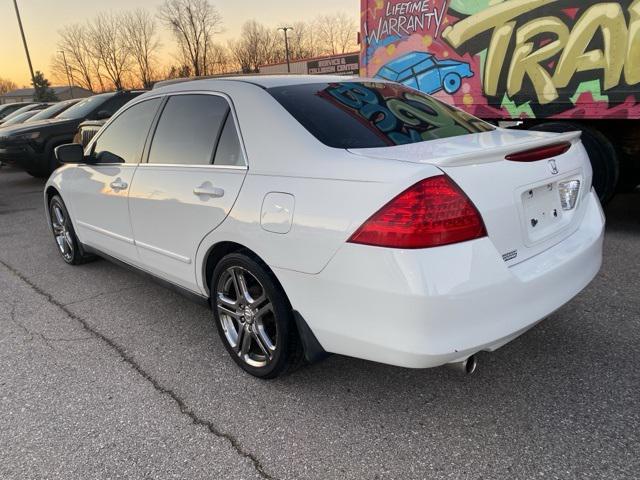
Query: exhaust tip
<point>470,365</point>
<point>467,366</point>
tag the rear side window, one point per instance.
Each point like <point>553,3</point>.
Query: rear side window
<point>123,139</point>
<point>188,130</point>
<point>228,151</point>
<point>373,114</point>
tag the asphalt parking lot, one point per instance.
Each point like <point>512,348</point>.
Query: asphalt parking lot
<point>106,375</point>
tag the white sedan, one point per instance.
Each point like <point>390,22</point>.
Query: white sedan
<point>324,214</point>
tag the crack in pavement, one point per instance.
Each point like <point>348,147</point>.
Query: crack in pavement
<point>182,406</point>
<point>104,294</point>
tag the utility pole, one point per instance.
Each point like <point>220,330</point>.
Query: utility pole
<point>286,45</point>
<point>24,41</point>
<point>66,68</point>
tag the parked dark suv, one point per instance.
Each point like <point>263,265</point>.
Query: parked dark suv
<point>30,146</point>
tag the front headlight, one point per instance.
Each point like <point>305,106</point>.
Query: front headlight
<point>25,136</point>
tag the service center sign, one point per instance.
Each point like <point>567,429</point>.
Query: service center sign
<point>343,65</point>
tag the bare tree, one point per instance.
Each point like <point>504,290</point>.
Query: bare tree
<point>257,45</point>
<point>73,42</point>
<point>6,85</point>
<point>140,32</point>
<point>193,23</point>
<point>337,33</point>
<point>303,41</point>
<point>109,46</point>
<point>219,60</point>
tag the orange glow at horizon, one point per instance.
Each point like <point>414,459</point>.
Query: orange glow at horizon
<point>42,19</point>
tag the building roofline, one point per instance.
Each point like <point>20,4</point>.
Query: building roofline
<point>309,59</point>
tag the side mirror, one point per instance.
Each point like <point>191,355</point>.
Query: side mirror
<point>102,115</point>
<point>70,153</point>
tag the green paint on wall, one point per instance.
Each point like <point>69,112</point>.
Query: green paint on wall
<point>592,86</point>
<point>470,7</point>
<point>517,111</point>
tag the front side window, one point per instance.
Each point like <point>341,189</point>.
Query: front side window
<point>123,139</point>
<point>373,114</point>
<point>188,130</point>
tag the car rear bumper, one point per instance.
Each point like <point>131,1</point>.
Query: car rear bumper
<point>424,308</point>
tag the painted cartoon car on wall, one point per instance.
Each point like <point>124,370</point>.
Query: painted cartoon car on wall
<point>424,72</point>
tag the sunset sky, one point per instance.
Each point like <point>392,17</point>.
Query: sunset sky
<point>42,19</point>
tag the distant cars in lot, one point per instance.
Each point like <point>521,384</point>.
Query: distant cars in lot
<point>30,146</point>
<point>9,108</point>
<point>21,118</point>
<point>35,115</point>
<point>315,215</point>
<point>27,108</point>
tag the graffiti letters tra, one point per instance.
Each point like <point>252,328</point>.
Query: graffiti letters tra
<point>551,50</point>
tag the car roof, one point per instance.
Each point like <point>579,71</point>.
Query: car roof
<point>263,81</point>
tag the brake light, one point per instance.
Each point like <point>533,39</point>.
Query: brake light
<point>540,153</point>
<point>433,212</point>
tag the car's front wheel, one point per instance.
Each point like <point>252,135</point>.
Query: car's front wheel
<point>452,83</point>
<point>253,317</point>
<point>64,234</point>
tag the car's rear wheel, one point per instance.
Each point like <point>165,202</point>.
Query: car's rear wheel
<point>452,83</point>
<point>253,317</point>
<point>64,234</point>
<point>602,154</point>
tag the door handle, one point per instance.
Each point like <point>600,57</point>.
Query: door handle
<point>119,184</point>
<point>208,190</point>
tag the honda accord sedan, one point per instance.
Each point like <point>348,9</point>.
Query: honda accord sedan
<point>331,215</point>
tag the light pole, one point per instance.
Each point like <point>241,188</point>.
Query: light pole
<point>24,41</point>
<point>66,69</point>
<point>286,45</point>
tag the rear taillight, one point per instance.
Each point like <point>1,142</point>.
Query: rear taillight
<point>540,153</point>
<point>433,212</point>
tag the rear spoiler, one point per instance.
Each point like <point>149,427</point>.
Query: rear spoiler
<point>489,155</point>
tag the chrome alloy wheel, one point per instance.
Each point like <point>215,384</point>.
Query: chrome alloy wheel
<point>246,316</point>
<point>60,225</point>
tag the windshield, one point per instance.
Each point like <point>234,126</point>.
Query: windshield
<point>52,111</point>
<point>84,107</point>
<point>373,114</point>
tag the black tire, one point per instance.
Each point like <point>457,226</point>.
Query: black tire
<point>277,324</point>
<point>37,174</point>
<point>602,154</point>
<point>71,249</point>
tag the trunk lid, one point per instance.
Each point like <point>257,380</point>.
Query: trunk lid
<point>519,201</point>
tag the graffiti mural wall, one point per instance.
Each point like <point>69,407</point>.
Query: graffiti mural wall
<point>510,58</point>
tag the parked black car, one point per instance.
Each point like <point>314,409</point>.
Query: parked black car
<point>30,146</point>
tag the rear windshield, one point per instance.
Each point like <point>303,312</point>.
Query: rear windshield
<point>373,114</point>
